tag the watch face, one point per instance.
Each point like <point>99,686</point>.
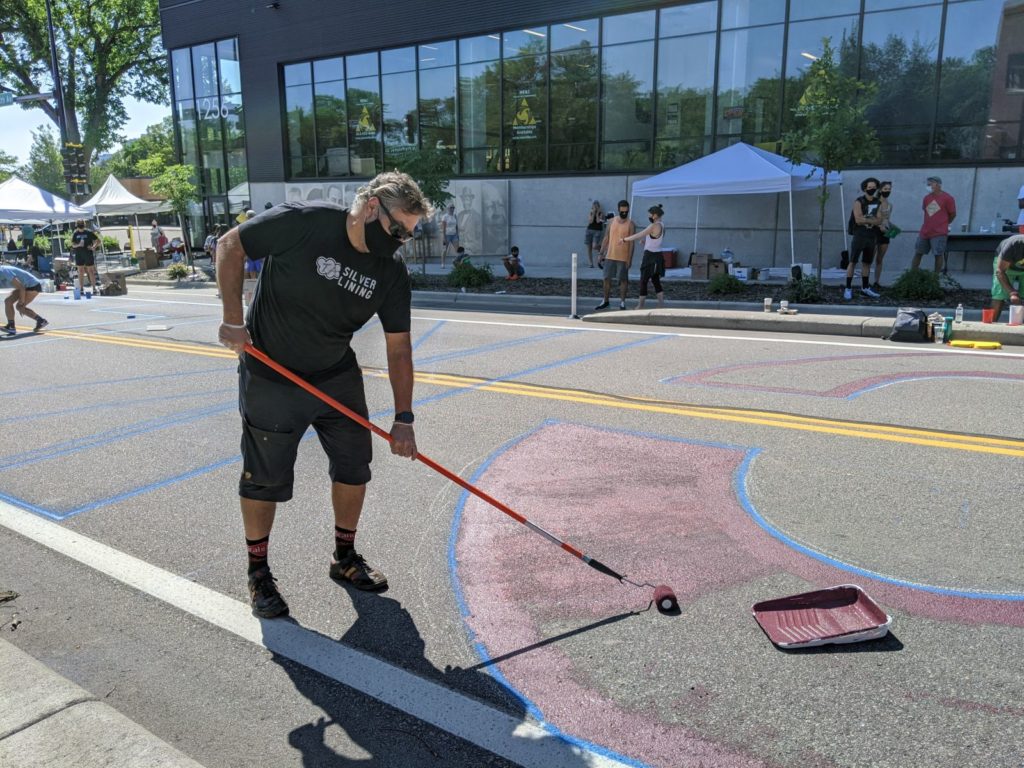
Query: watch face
<point>405,417</point>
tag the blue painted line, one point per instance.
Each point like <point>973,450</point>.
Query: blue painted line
<point>110,405</point>
<point>498,345</point>
<point>481,650</point>
<point>106,382</point>
<point>741,493</point>
<point>926,377</point>
<point>112,436</point>
<point>14,500</point>
<point>430,332</point>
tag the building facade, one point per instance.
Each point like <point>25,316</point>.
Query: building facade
<point>540,108</point>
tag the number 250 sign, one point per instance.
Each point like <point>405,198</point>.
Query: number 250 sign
<point>212,109</point>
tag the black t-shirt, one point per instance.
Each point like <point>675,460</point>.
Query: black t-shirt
<point>316,289</point>
<point>81,242</point>
<point>868,208</point>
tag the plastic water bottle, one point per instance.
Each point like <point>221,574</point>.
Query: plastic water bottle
<point>727,256</point>
<point>997,223</point>
<point>959,317</point>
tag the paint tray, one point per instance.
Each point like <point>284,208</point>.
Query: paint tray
<point>843,614</point>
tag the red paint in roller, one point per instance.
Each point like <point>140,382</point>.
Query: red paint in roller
<point>665,599</point>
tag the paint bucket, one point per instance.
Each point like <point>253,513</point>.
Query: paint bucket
<point>988,315</point>
<point>1016,314</point>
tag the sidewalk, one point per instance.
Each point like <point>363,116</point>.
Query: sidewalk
<point>47,720</point>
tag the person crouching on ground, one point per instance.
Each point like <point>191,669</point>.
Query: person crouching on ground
<point>514,264</point>
<point>328,271</point>
<point>653,264</point>
<point>26,287</point>
<point>1007,274</point>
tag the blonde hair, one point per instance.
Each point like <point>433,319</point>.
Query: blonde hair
<point>395,189</point>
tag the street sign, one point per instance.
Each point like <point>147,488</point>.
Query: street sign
<point>6,99</point>
<point>34,97</point>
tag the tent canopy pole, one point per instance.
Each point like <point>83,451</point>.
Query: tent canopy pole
<point>792,245</point>
<point>842,218</point>
<point>696,225</point>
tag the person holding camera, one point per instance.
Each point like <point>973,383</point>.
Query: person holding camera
<point>594,231</point>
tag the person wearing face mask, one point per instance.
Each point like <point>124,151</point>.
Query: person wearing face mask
<point>327,271</point>
<point>618,254</point>
<point>864,220</point>
<point>885,226</point>
<point>939,211</point>
<point>652,266</point>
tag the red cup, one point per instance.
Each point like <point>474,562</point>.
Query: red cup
<point>988,315</point>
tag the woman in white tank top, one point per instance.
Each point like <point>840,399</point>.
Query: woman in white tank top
<point>653,266</point>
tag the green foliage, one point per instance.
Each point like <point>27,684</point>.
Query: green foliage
<point>465,275</point>
<point>45,168</point>
<point>176,186</point>
<point>722,285</point>
<point>110,243</point>
<point>432,170</point>
<point>806,290</point>
<point>148,155</point>
<point>917,285</point>
<point>107,51</point>
<point>8,166</point>
<point>177,271</point>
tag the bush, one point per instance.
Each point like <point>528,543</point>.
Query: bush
<point>804,291</point>
<point>917,285</point>
<point>177,271</point>
<point>465,275</point>
<point>722,285</point>
<point>110,243</point>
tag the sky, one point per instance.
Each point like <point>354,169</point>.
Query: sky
<point>16,125</point>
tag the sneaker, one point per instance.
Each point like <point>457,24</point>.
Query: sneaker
<point>354,569</point>
<point>602,305</point>
<point>847,294</point>
<point>9,328</point>
<point>40,324</point>
<point>870,293</point>
<point>622,305</point>
<point>876,287</point>
<point>266,601</point>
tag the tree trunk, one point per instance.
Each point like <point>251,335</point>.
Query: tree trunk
<point>822,200</point>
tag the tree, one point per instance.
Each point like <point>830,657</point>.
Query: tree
<point>44,168</point>
<point>7,165</point>
<point>831,129</point>
<point>107,50</point>
<point>176,185</point>
<point>148,155</point>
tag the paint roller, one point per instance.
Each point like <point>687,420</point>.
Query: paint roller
<point>664,599</point>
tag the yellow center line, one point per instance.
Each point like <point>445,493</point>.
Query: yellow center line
<point>907,435</point>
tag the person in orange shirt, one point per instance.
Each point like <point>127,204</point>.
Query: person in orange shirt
<point>617,254</point>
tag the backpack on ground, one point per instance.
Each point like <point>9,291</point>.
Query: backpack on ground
<point>911,325</point>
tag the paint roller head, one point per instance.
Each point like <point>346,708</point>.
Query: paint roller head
<point>665,599</point>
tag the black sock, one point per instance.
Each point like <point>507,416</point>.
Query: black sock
<point>344,542</point>
<point>257,553</point>
<point>849,282</point>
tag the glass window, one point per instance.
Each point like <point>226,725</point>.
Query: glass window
<point>364,120</point>
<point>227,61</point>
<point>437,55</point>
<point>573,129</point>
<point>479,116</point>
<point>749,85</point>
<point>898,54</point>
<point>186,116</point>
<point>437,108</point>
<point>567,36</point>
<point>526,99</point>
<point>686,89</point>
<point>361,65</point>
<point>297,74</point>
<point>204,69</point>
<point>815,9</point>
<point>483,48</point>
<point>805,45</point>
<point>884,5</point>
<point>628,27</point>
<point>234,121</point>
<point>749,13</point>
<point>326,70</point>
<point>689,19</point>
<point>525,42</point>
<point>331,129</point>
<point>181,69</point>
<point>300,131</point>
<point>398,60</point>
<point>626,96</point>
<point>401,133</point>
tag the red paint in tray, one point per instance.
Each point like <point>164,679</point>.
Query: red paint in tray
<point>843,614</point>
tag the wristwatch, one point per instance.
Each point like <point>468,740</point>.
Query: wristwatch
<point>405,417</point>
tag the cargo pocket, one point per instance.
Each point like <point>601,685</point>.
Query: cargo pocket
<point>267,457</point>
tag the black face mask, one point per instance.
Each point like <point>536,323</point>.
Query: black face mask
<point>870,192</point>
<point>650,219</point>
<point>623,214</point>
<point>886,194</point>
<point>379,241</point>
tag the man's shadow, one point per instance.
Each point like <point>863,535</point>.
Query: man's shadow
<point>383,628</point>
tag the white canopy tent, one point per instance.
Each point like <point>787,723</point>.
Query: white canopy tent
<point>112,199</point>
<point>739,169</point>
<point>21,202</point>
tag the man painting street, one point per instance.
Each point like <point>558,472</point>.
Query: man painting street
<point>26,287</point>
<point>328,271</point>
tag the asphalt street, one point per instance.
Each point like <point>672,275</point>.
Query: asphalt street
<point>735,467</point>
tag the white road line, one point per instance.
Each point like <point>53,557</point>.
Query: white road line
<point>485,726</point>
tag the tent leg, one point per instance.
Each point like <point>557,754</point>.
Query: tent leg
<point>696,225</point>
<point>792,244</point>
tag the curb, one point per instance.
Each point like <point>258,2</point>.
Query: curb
<point>817,324</point>
<point>172,283</point>
<point>47,720</point>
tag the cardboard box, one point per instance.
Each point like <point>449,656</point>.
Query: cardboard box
<point>700,259</point>
<point>717,267</point>
<point>147,259</point>
<point>741,273</point>
<point>699,272</point>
